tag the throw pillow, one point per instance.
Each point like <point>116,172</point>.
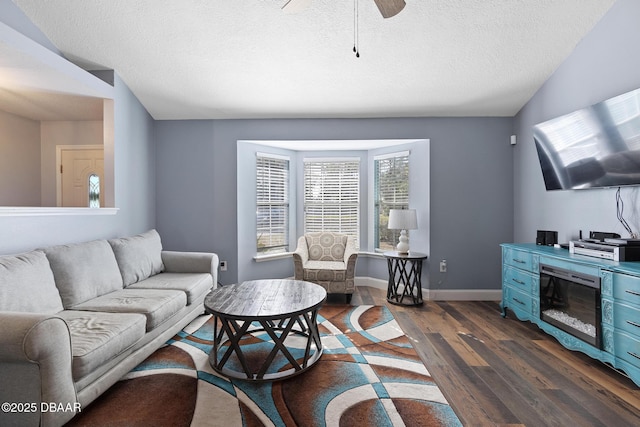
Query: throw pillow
<point>139,257</point>
<point>27,284</point>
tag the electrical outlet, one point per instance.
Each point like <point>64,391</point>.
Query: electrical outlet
<point>223,265</point>
<point>443,266</point>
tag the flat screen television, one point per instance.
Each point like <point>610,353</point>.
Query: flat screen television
<point>598,146</point>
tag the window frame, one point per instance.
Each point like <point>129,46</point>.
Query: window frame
<point>278,200</point>
<point>380,207</point>
<point>348,194</point>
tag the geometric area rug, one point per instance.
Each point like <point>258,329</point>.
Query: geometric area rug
<point>368,375</point>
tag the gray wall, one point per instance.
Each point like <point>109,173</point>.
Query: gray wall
<point>15,18</point>
<point>471,187</point>
<point>19,161</point>
<point>134,167</point>
<point>603,65</point>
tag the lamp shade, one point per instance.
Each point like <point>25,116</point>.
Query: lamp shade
<point>403,219</point>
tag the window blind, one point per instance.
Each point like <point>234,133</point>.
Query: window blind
<point>272,204</point>
<point>332,196</point>
<point>391,191</point>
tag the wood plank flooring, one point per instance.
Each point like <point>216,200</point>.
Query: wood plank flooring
<point>504,372</point>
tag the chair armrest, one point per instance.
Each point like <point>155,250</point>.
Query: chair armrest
<point>350,258</point>
<point>35,367</point>
<point>300,257</point>
<point>302,251</point>
<point>191,262</point>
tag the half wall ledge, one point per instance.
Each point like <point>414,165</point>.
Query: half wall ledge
<point>37,211</point>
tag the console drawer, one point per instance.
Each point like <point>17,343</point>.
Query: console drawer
<point>516,299</point>
<point>520,280</point>
<point>627,348</point>
<point>627,319</point>
<point>519,259</point>
<point>626,288</point>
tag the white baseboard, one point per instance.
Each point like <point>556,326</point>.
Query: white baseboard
<point>440,294</point>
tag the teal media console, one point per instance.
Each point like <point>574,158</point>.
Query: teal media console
<point>538,285</point>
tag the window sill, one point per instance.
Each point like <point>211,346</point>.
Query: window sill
<point>271,257</point>
<point>53,211</point>
<point>263,258</point>
<point>367,254</point>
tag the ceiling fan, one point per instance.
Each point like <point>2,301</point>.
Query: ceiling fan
<point>388,8</point>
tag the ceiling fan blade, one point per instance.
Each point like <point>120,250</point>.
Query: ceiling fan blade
<point>295,6</point>
<point>389,8</point>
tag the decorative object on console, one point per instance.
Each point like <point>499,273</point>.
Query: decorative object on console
<point>546,238</point>
<point>602,235</point>
<point>612,249</point>
<point>403,219</point>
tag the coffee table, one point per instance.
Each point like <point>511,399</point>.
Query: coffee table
<point>281,309</point>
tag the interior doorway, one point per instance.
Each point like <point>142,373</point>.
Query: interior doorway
<point>80,172</point>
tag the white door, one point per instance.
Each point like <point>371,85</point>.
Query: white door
<point>77,165</point>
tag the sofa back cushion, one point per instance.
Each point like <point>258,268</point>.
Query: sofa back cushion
<point>27,284</point>
<point>326,246</point>
<point>139,257</point>
<point>84,271</point>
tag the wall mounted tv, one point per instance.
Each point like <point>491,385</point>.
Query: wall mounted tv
<point>598,146</point>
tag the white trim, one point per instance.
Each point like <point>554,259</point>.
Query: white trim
<point>303,145</point>
<point>271,257</point>
<point>440,294</point>
<point>273,156</point>
<point>282,255</point>
<point>331,159</point>
<point>52,211</point>
<point>391,155</point>
<point>369,254</point>
<point>372,282</point>
<point>463,294</point>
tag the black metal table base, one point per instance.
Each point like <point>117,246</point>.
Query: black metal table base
<point>229,332</point>
<point>405,279</point>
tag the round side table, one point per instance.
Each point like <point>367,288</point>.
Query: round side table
<point>405,277</point>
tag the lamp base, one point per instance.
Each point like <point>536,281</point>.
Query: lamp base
<point>403,244</point>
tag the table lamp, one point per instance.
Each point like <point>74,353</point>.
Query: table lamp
<point>403,219</point>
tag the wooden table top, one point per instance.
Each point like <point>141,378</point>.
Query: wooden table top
<point>271,298</point>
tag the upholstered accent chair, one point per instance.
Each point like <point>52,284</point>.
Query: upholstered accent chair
<point>328,259</point>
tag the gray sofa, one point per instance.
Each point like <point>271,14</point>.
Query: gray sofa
<point>75,318</point>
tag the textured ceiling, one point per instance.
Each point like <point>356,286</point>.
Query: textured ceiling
<point>200,59</point>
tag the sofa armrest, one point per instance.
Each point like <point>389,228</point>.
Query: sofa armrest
<point>191,262</point>
<point>35,367</point>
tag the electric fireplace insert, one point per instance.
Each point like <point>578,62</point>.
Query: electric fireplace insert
<point>571,301</point>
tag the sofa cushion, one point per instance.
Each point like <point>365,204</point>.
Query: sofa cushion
<point>138,256</point>
<point>192,284</point>
<point>97,337</point>
<point>84,270</point>
<point>27,284</point>
<point>326,246</point>
<point>156,304</point>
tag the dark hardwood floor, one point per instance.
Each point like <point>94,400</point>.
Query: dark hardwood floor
<point>504,372</point>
